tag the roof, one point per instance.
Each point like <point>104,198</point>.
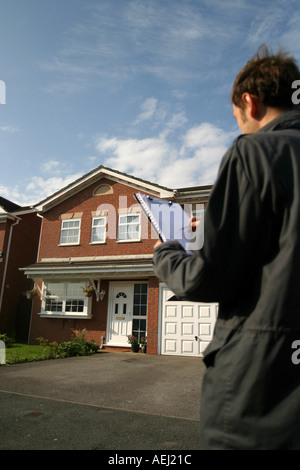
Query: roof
<point>95,175</point>
<point>8,206</point>
<point>129,266</point>
<point>138,183</point>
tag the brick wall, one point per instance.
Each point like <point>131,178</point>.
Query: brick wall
<point>84,205</point>
<point>55,329</point>
<point>59,330</point>
<point>23,251</point>
<point>152,319</point>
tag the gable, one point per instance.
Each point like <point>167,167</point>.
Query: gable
<point>93,199</point>
<point>103,178</point>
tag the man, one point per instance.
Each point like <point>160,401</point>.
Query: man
<point>250,265</point>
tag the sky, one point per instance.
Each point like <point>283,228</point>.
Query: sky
<point>140,86</point>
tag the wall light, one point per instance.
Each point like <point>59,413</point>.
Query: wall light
<point>102,294</point>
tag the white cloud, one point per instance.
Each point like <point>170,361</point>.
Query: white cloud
<point>12,194</point>
<point>50,166</point>
<point>159,160</point>
<point>148,109</point>
<point>139,157</point>
<point>8,129</point>
<point>39,188</point>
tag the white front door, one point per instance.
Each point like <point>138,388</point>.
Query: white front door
<point>120,311</point>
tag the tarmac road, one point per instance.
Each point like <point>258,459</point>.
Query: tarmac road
<point>108,401</point>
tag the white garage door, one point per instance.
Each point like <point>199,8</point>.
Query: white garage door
<point>187,327</point>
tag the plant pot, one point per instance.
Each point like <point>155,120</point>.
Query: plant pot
<point>144,348</point>
<point>135,348</point>
<point>88,294</point>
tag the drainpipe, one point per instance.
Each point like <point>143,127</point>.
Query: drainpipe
<point>6,260</point>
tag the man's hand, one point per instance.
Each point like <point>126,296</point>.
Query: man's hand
<point>194,222</point>
<point>157,244</point>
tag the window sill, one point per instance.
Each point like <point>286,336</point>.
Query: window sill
<point>129,241</point>
<point>65,316</point>
<point>69,244</point>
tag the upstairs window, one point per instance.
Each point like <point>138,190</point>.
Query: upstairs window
<point>98,233</point>
<point>129,228</point>
<point>70,232</point>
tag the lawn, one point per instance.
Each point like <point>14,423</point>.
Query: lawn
<point>77,346</point>
<point>27,353</point>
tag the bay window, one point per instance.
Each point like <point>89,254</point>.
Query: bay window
<point>65,299</point>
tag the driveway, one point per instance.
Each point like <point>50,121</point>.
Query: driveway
<point>109,401</point>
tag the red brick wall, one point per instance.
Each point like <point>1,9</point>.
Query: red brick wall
<point>2,235</point>
<point>152,318</point>
<point>85,203</point>
<point>3,242</point>
<point>23,252</point>
<point>59,330</point>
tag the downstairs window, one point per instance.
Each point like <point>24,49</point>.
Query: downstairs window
<point>65,299</point>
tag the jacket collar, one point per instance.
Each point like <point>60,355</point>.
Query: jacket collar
<point>286,120</point>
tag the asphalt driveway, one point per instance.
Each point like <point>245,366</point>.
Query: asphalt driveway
<point>109,401</point>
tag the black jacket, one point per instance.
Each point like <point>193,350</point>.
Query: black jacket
<point>250,265</point>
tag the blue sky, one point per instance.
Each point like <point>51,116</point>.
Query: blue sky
<point>141,86</point>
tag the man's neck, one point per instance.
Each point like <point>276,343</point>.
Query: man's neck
<point>268,116</point>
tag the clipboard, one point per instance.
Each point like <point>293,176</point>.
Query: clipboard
<point>168,219</point>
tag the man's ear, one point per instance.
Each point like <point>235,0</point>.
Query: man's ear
<point>252,104</point>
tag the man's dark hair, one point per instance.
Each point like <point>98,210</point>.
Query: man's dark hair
<point>269,77</point>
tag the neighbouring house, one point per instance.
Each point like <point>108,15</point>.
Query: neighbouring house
<point>95,235</point>
<point>19,240</point>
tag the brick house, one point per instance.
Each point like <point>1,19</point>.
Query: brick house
<point>94,233</point>
<point>19,239</point>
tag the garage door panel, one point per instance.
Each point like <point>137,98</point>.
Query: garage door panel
<point>204,329</point>
<point>170,346</point>
<point>204,312</point>
<point>188,347</point>
<point>202,346</point>
<point>171,311</point>
<point>187,311</point>
<point>187,327</point>
<point>170,328</point>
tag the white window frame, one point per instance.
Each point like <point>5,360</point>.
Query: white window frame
<point>198,212</point>
<point>65,229</point>
<point>94,227</point>
<point>128,224</point>
<point>64,298</point>
<point>138,316</point>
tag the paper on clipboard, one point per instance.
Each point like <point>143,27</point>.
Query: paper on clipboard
<point>168,219</point>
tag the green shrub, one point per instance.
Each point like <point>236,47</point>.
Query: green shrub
<point>7,341</point>
<point>69,349</point>
<point>78,346</point>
